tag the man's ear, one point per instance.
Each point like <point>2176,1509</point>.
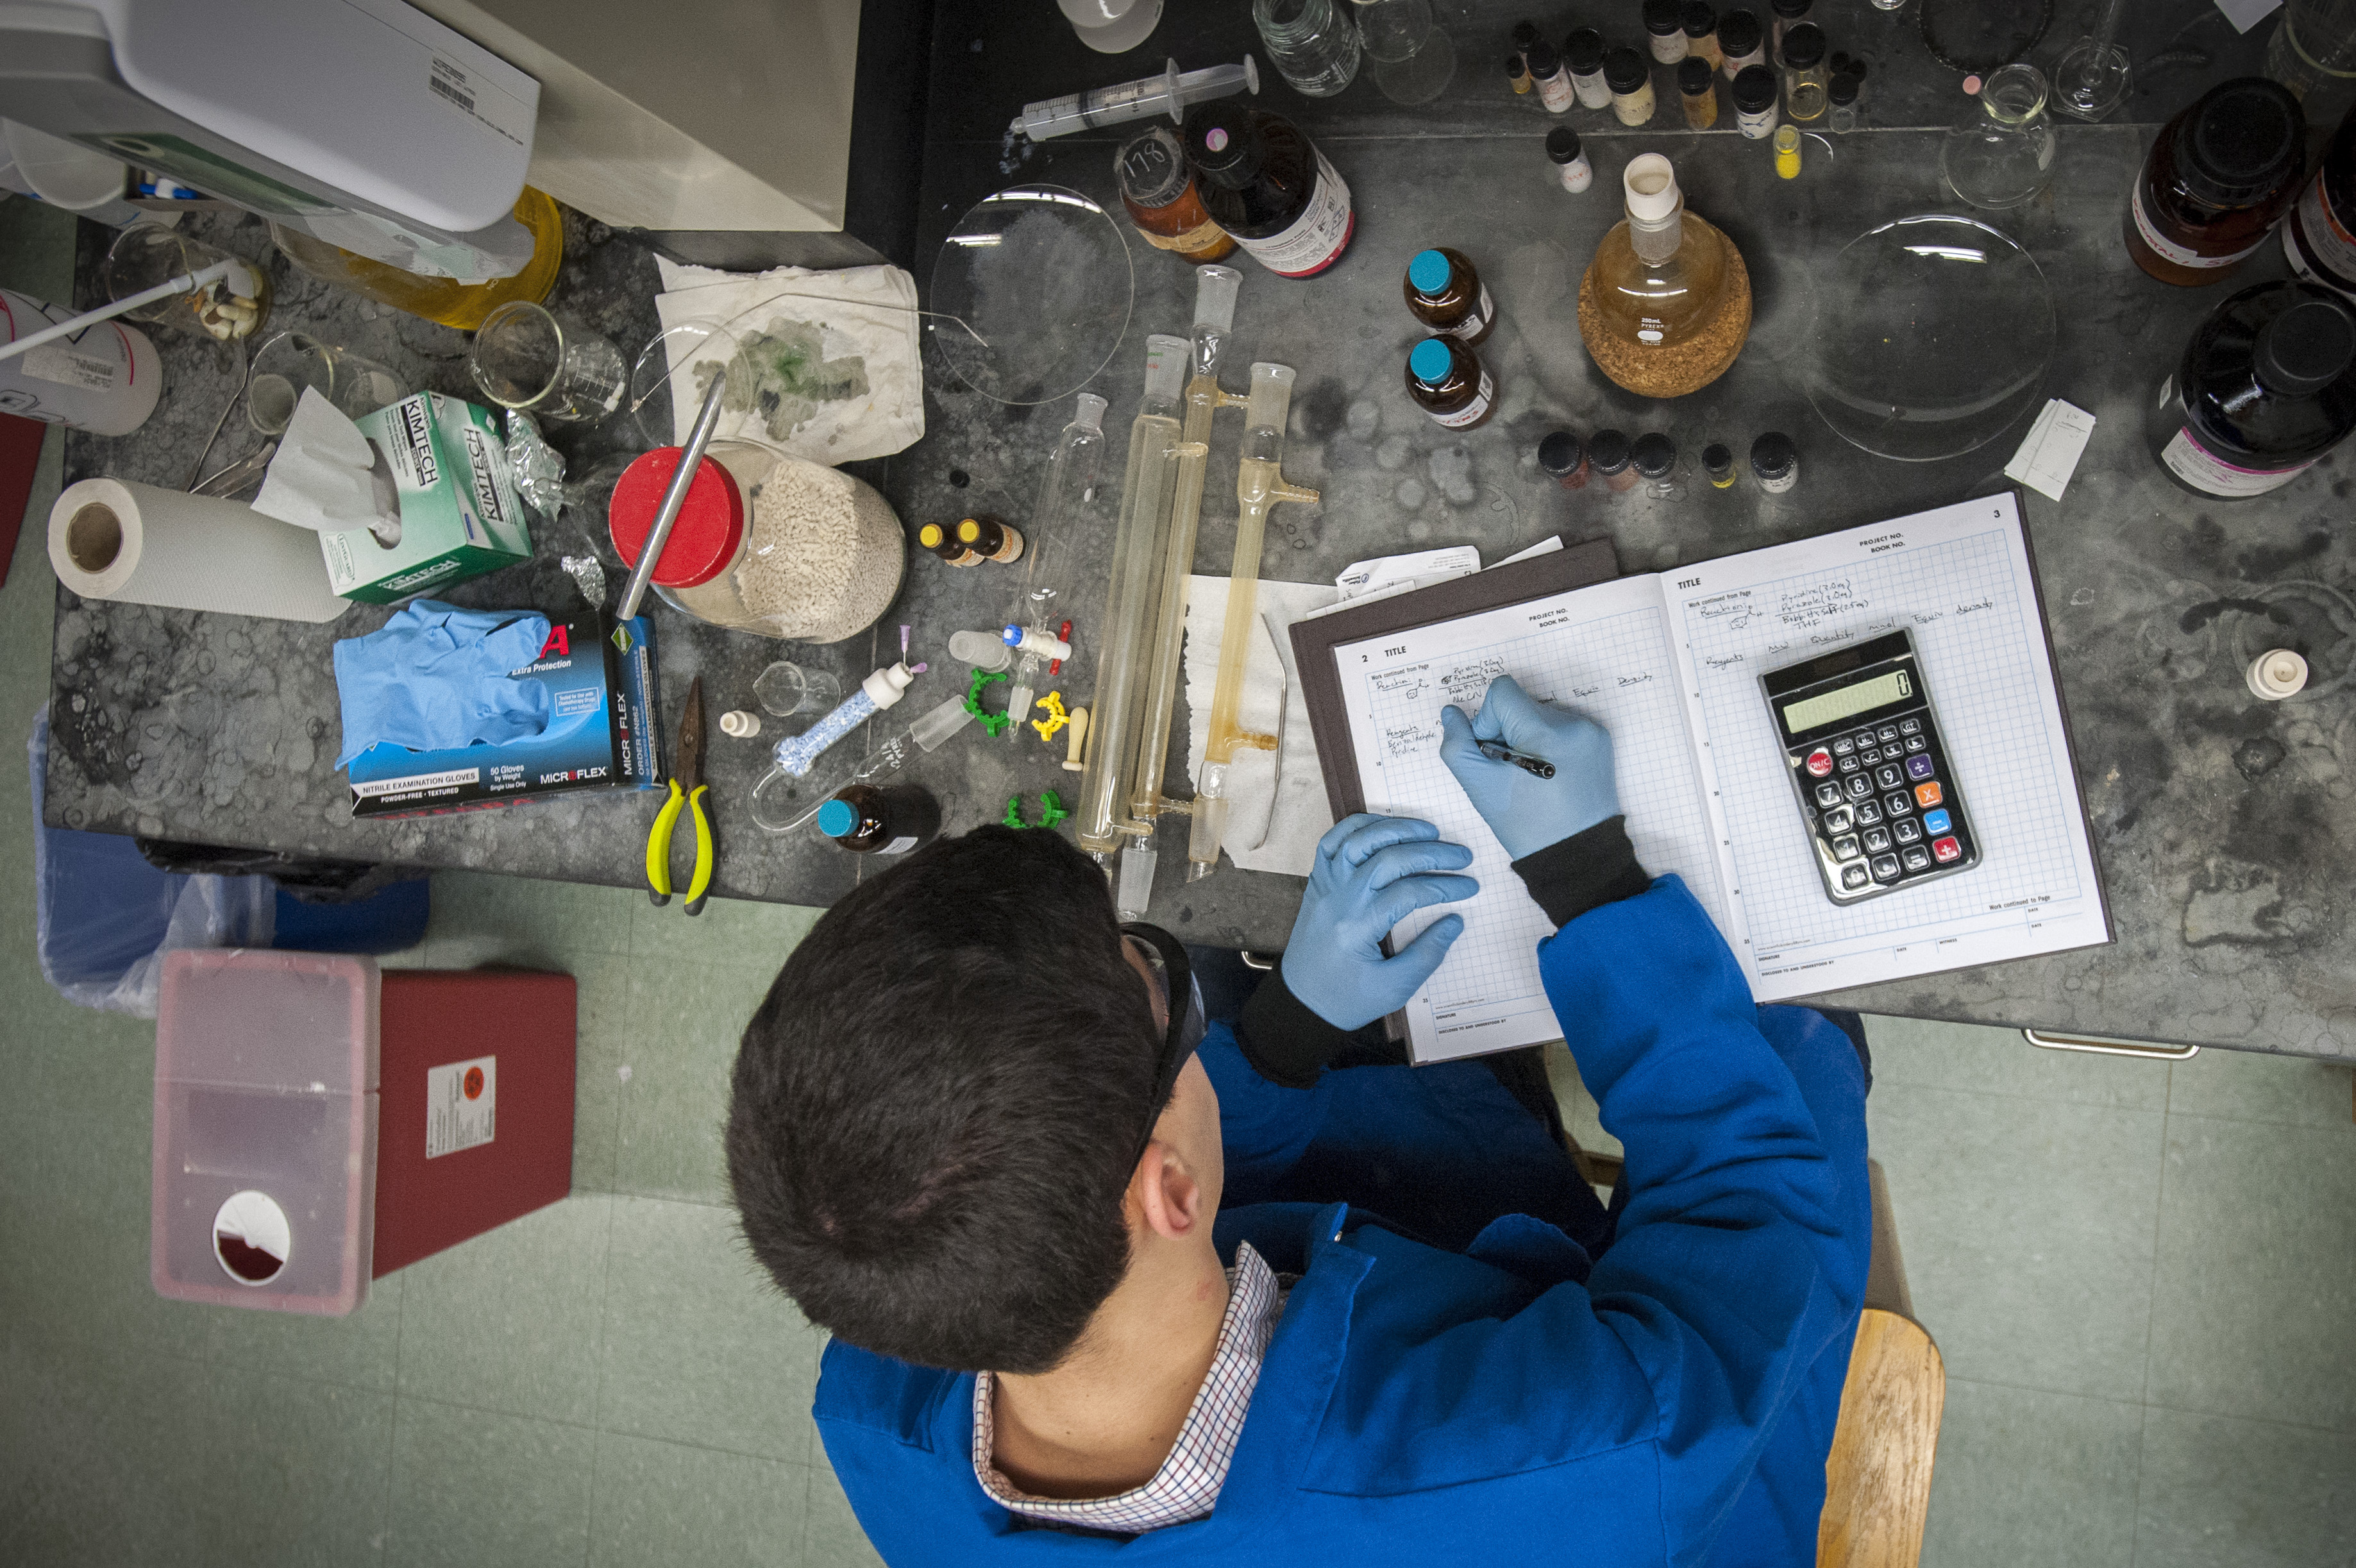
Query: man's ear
<point>1169,1198</point>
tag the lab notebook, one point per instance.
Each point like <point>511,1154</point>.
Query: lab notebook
<point>1670,663</point>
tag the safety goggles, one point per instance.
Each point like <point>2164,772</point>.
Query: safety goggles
<point>1181,999</point>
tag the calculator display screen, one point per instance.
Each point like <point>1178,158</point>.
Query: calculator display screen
<point>1829,707</point>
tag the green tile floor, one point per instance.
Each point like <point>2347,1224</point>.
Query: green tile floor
<point>2143,1278</point>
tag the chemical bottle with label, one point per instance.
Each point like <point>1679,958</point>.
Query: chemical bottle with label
<point>1266,183</point>
<point>2319,235</point>
<point>942,542</point>
<point>990,539</point>
<point>1159,191</point>
<point>1447,296</point>
<point>2266,386</point>
<point>1448,381</point>
<point>892,820</point>
<point>2217,178</point>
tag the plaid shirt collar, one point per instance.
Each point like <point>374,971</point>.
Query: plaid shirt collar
<point>1188,1484</point>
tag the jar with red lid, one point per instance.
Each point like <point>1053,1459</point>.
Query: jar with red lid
<point>765,543</point>
<point>2218,177</point>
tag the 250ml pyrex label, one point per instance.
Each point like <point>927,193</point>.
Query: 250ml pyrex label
<point>2168,250</point>
<point>1315,238</point>
<point>462,1102</point>
<point>2204,471</point>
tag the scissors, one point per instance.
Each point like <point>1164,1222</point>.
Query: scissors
<point>687,788</point>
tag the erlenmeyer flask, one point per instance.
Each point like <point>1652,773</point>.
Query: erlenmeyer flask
<point>2002,155</point>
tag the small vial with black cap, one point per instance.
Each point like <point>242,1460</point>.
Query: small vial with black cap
<point>1774,462</point>
<point>1754,102</point>
<point>1654,456</point>
<point>1788,15</point>
<point>1517,75</point>
<point>1630,82</point>
<point>1582,57</point>
<point>1664,26</point>
<point>1804,77</point>
<point>1562,457</point>
<point>1717,462</point>
<point>1552,81</point>
<point>1570,159</point>
<point>1607,455</point>
<point>1843,95</point>
<point>1742,41</point>
<point>1698,92</point>
<point>1524,34</point>
<point>1699,19</point>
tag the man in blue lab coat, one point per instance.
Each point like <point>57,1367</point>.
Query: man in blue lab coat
<point>1108,1280</point>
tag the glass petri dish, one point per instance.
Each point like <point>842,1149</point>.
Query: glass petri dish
<point>1931,337</point>
<point>1031,293</point>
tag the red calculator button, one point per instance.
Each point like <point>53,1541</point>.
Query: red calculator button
<point>1820,762</point>
<point>1928,794</point>
<point>1946,849</point>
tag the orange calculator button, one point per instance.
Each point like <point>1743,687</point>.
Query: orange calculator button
<point>1927,794</point>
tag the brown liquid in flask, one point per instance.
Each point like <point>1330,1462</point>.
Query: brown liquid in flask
<point>1159,191</point>
<point>1448,381</point>
<point>1447,295</point>
<point>2218,177</point>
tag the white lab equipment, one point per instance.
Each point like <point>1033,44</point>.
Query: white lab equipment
<point>1169,93</point>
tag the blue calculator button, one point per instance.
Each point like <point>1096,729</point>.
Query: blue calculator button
<point>1936,821</point>
<point>1918,767</point>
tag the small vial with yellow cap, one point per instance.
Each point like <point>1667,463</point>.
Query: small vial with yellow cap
<point>990,539</point>
<point>943,544</point>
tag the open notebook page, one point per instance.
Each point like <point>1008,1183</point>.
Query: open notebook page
<point>1959,580</point>
<point>1603,651</point>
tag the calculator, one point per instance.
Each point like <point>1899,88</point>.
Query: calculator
<point>1876,781</point>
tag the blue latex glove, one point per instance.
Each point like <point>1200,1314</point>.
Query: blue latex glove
<point>1528,813</point>
<point>435,678</point>
<point>1372,873</point>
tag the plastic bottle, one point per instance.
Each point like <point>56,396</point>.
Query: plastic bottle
<point>105,382</point>
<point>1449,383</point>
<point>1445,293</point>
<point>2217,178</point>
<point>1266,183</point>
<point>2265,387</point>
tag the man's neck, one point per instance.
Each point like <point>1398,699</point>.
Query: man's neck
<point>1103,1422</point>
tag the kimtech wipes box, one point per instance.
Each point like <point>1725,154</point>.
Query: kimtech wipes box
<point>600,734</point>
<point>460,515</point>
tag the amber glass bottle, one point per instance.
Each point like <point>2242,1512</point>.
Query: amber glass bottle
<point>2216,180</point>
<point>990,539</point>
<point>1448,381</point>
<point>1159,191</point>
<point>932,536</point>
<point>1447,295</point>
<point>2319,235</point>
<point>868,821</point>
<point>453,303</point>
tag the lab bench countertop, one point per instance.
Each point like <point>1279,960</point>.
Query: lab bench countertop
<point>2215,816</point>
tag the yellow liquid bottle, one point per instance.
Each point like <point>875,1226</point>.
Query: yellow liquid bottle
<point>1665,305</point>
<point>453,303</point>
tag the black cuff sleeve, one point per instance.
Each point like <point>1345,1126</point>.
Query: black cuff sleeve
<point>1586,871</point>
<point>1284,1041</point>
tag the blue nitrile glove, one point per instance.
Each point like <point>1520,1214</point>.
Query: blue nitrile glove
<point>1528,813</point>
<point>435,678</point>
<point>1372,873</point>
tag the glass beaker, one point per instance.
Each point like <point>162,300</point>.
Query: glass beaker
<point>1314,43</point>
<point>2313,53</point>
<point>290,362</point>
<point>146,254</point>
<point>2002,155</point>
<point>526,357</point>
<point>1412,54</point>
<point>784,689</point>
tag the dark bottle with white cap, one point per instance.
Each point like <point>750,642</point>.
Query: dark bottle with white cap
<point>1266,183</point>
<point>2266,386</point>
<point>868,821</point>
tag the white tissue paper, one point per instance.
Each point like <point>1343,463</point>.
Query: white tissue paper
<point>1274,817</point>
<point>823,365</point>
<point>326,475</point>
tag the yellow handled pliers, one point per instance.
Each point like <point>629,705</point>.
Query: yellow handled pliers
<point>687,788</point>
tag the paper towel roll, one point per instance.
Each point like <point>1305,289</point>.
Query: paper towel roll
<point>114,540</point>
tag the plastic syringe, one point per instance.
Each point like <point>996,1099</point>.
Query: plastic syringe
<point>1170,92</point>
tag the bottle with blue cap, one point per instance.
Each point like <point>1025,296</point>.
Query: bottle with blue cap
<point>1447,296</point>
<point>1448,381</point>
<point>866,819</point>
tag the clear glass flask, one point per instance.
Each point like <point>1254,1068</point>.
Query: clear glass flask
<point>1313,44</point>
<point>2002,155</point>
<point>1413,57</point>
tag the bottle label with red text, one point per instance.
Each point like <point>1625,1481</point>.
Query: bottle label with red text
<point>1477,320</point>
<point>2204,471</point>
<point>2319,248</point>
<point>2168,250</point>
<point>1472,413</point>
<point>1313,241</point>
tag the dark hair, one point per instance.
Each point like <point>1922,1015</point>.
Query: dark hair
<point>934,1110</point>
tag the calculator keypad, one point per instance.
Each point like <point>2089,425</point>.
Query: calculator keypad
<point>1880,814</point>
